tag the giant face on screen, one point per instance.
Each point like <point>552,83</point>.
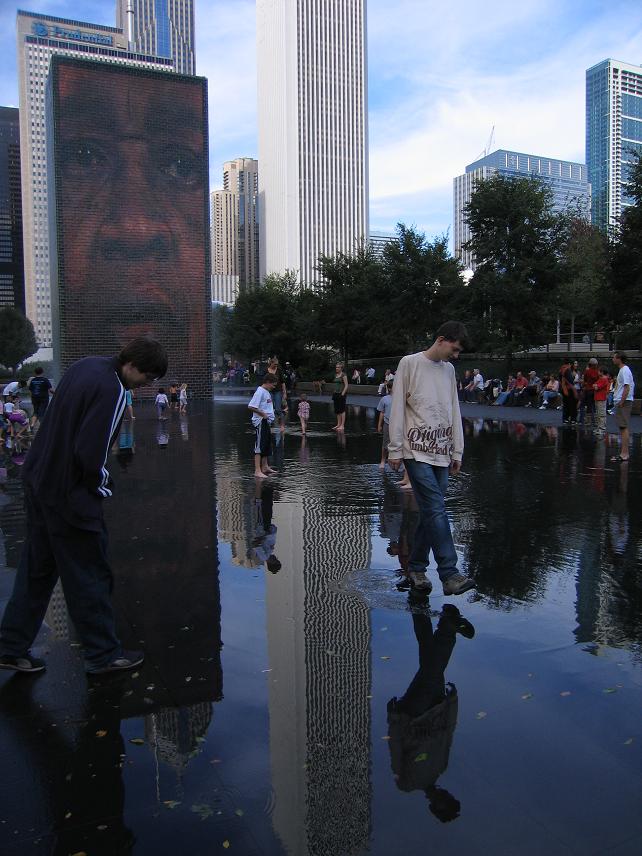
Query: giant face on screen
<point>130,155</point>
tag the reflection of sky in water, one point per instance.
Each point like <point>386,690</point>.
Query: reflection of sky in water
<point>289,722</point>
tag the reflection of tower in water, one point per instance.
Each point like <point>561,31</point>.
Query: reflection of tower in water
<point>174,732</point>
<point>318,644</point>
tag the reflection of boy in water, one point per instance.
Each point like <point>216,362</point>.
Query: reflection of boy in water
<point>265,531</point>
<point>422,722</point>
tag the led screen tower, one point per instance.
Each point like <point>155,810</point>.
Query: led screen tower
<point>128,199</point>
<point>313,136</point>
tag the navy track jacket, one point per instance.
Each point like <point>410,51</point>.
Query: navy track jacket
<point>65,465</point>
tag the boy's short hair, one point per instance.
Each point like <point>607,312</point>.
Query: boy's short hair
<point>621,356</point>
<point>389,386</point>
<point>145,354</point>
<point>39,370</point>
<point>454,331</point>
<point>269,378</point>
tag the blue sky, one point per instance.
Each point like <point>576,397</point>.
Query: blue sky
<point>440,77</point>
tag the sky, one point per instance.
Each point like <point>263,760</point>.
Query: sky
<point>441,77</point>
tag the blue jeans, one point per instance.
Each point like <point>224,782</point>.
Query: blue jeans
<point>429,485</point>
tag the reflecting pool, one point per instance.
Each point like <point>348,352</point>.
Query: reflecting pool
<point>296,697</point>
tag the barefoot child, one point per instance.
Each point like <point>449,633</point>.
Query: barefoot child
<point>383,408</point>
<point>303,411</point>
<point>182,398</point>
<point>161,403</point>
<point>262,408</point>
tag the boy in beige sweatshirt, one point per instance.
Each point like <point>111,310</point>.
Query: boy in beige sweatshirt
<point>427,434</point>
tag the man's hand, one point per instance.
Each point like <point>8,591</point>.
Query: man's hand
<point>394,464</point>
<point>455,467</point>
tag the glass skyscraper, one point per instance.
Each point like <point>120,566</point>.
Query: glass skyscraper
<point>567,181</point>
<point>162,28</point>
<point>613,134</point>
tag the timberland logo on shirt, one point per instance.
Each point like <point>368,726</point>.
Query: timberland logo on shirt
<point>431,441</point>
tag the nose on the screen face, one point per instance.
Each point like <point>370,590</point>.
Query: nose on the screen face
<point>135,226</point>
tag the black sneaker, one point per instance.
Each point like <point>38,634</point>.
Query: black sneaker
<point>456,620</point>
<point>127,660</point>
<point>27,663</point>
<point>458,584</point>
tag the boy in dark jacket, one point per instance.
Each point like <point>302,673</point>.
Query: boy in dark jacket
<point>65,483</point>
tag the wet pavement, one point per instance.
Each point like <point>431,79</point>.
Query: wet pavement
<point>296,699</point>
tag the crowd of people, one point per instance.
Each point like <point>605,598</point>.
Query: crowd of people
<point>584,395</point>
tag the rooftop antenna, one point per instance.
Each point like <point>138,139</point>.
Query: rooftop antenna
<point>489,145</point>
<point>130,22</point>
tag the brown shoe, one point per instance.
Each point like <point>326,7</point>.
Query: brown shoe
<point>458,584</point>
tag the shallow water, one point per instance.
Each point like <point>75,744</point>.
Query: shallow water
<point>277,637</point>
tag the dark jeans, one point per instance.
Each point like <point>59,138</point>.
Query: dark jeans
<point>79,557</point>
<point>569,408</point>
<point>428,687</point>
<point>429,485</point>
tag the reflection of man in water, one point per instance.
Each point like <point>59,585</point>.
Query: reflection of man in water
<point>265,531</point>
<point>130,151</point>
<point>80,797</point>
<point>422,722</point>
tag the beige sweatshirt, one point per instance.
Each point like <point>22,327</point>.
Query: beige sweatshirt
<point>425,421</point>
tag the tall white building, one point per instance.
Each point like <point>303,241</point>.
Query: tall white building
<point>224,215</point>
<point>613,135</point>
<point>241,176</point>
<point>313,132</point>
<point>39,38</point>
<point>235,230</point>
<point>161,28</point>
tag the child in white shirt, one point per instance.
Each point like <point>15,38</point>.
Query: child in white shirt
<point>162,403</point>
<point>262,408</point>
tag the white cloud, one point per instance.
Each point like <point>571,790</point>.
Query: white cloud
<point>447,81</point>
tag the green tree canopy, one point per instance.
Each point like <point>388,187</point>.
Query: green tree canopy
<point>17,338</point>
<point>516,241</point>
<point>425,286</point>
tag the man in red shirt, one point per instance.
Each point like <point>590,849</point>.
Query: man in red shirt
<point>591,374</point>
<point>519,390</point>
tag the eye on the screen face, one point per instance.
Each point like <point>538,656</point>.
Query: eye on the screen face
<point>181,165</point>
<point>84,157</point>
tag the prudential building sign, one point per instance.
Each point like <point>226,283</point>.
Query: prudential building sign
<point>53,31</point>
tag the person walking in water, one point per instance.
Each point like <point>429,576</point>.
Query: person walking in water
<point>65,485</point>
<point>339,397</point>
<point>303,412</point>
<point>426,433</point>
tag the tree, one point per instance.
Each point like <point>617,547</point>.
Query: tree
<point>424,283</point>
<point>583,272</point>
<point>266,321</point>
<point>353,303</point>
<point>17,338</point>
<point>626,256</point>
<point>516,241</point>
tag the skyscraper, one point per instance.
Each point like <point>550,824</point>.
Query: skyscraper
<point>39,38</point>
<point>613,134</point>
<point>161,28</point>
<point>313,132</point>
<point>224,218</point>
<point>566,180</point>
<point>235,230</point>
<point>12,270</point>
